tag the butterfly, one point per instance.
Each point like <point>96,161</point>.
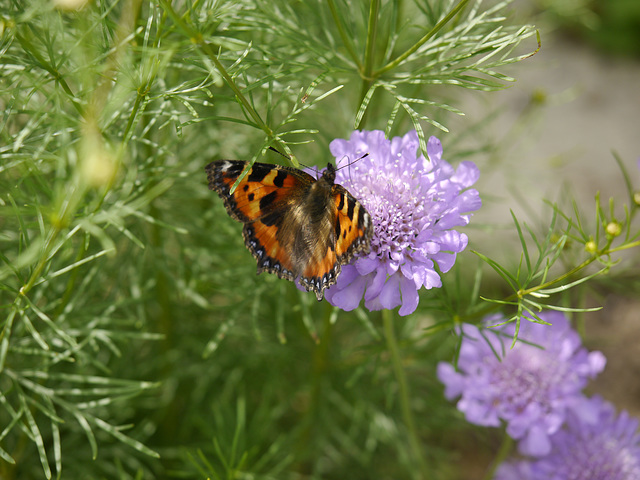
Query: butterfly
<point>296,226</point>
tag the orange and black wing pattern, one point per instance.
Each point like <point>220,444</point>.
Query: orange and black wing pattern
<point>353,226</point>
<point>294,225</point>
<point>260,201</point>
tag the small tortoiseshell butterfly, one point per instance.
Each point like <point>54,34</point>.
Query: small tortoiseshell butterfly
<point>294,225</point>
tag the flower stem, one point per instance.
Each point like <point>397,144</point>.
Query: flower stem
<point>346,39</point>
<point>372,33</point>
<point>393,64</point>
<point>403,386</point>
<point>320,367</point>
<point>369,52</point>
<point>505,450</point>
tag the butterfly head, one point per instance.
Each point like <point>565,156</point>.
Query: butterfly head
<point>329,174</point>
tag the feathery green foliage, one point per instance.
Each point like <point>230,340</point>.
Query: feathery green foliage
<point>135,339</point>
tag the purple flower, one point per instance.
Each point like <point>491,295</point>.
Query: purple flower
<point>530,387</point>
<point>602,447</point>
<point>415,205</point>
<point>605,448</point>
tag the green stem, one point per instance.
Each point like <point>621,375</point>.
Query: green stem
<point>372,33</point>
<point>320,366</point>
<point>126,23</point>
<point>73,276</point>
<point>44,257</point>
<point>505,450</point>
<point>346,39</point>
<point>624,247</point>
<point>394,63</point>
<point>366,72</point>
<point>522,293</point>
<point>125,27</point>
<point>405,406</point>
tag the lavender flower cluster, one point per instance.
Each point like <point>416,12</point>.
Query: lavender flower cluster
<point>535,389</point>
<point>415,203</point>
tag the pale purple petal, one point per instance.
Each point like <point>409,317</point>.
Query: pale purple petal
<point>390,293</point>
<point>514,470</point>
<point>454,382</point>
<point>467,174</point>
<point>410,296</point>
<point>366,265</point>
<point>349,297</point>
<point>376,284</point>
<point>597,361</point>
<point>434,149</point>
<point>535,443</point>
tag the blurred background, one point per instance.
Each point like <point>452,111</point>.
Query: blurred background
<point>573,104</point>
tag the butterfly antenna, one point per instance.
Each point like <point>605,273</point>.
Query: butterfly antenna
<point>287,156</point>
<point>280,153</point>
<point>308,167</point>
<point>351,163</point>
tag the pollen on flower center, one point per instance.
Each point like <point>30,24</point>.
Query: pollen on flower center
<point>531,376</point>
<point>524,385</point>
<point>396,207</point>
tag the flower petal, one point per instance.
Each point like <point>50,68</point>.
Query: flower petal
<point>390,293</point>
<point>347,298</point>
<point>410,297</point>
<point>434,149</point>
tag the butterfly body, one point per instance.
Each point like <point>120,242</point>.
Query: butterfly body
<point>295,226</point>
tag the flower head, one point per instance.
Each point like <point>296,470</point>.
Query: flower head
<point>415,204</point>
<point>605,446</point>
<point>530,387</point>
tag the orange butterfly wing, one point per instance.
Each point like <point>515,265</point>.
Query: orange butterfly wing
<point>294,225</point>
<point>259,201</point>
<point>353,226</point>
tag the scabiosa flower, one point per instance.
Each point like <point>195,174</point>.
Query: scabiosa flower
<point>603,447</point>
<point>530,387</point>
<point>415,204</point>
